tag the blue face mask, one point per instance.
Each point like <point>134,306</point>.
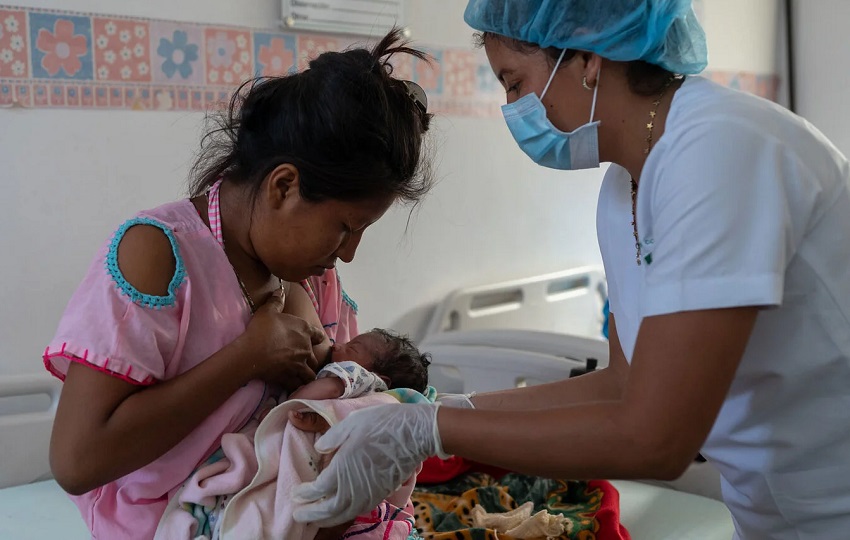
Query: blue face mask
<point>544,143</point>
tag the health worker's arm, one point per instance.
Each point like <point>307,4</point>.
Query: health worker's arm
<point>601,385</point>
<point>682,369</point>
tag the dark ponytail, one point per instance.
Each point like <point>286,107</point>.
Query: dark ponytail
<point>346,124</point>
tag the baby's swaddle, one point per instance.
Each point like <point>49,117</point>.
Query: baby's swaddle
<point>262,477</point>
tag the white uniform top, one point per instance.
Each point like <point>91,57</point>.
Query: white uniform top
<point>742,203</point>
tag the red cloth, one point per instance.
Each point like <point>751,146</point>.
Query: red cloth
<point>608,514</point>
<point>439,471</point>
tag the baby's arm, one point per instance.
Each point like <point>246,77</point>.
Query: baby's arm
<point>356,379</point>
<point>335,380</point>
<point>324,388</point>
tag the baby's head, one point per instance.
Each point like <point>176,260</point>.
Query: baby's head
<point>315,157</point>
<point>391,356</point>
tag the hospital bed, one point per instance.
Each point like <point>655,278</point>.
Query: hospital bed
<point>549,327</point>
<point>496,336</point>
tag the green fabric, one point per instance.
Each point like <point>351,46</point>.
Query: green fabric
<point>443,511</point>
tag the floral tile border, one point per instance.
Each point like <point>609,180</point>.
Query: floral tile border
<point>51,58</point>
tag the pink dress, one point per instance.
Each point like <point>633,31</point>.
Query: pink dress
<point>143,339</point>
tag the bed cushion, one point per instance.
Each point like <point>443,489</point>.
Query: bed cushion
<point>655,513</point>
<point>38,511</point>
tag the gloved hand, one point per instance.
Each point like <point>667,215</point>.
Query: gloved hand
<point>458,401</point>
<point>378,449</point>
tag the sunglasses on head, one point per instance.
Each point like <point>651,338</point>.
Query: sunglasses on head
<point>418,95</point>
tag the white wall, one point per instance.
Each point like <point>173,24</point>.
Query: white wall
<point>822,57</point>
<point>71,176</point>
<point>742,35</point>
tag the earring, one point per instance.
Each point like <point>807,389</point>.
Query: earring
<point>585,85</point>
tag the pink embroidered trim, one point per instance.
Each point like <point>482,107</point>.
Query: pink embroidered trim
<point>48,358</point>
<point>214,212</point>
<point>309,288</point>
<point>388,530</point>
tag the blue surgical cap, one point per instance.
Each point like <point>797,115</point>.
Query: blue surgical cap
<point>661,32</point>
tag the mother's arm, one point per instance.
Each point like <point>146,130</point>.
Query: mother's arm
<point>682,368</point>
<point>601,385</point>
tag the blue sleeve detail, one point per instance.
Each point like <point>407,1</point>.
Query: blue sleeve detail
<point>146,300</point>
<point>409,395</point>
<point>605,314</point>
<point>347,299</point>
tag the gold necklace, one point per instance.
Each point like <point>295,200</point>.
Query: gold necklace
<point>245,293</point>
<point>649,126</point>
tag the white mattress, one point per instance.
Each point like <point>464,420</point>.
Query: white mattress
<point>655,513</point>
<point>39,511</point>
<point>42,510</point>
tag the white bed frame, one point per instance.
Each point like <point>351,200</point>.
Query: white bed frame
<point>25,435</point>
<point>32,506</point>
<point>540,329</point>
<point>504,335</point>
<point>567,302</point>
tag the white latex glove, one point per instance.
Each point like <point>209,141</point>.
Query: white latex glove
<point>377,450</point>
<point>458,401</point>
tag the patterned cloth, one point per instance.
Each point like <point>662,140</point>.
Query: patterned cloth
<point>448,511</point>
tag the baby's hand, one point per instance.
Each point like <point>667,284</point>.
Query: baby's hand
<point>324,388</point>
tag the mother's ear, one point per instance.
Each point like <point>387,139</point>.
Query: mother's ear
<point>284,181</point>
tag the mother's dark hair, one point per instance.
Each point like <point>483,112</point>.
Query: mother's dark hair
<point>644,79</point>
<point>346,124</point>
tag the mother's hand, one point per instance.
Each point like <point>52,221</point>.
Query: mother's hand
<point>377,449</point>
<point>280,346</point>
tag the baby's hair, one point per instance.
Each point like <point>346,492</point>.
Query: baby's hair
<point>401,362</point>
<point>349,127</point>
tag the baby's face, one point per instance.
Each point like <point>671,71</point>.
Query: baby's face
<point>363,350</point>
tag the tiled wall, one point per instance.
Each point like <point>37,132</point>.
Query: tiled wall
<point>73,60</point>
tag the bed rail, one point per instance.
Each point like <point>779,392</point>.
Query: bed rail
<point>27,406</point>
<point>568,302</point>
